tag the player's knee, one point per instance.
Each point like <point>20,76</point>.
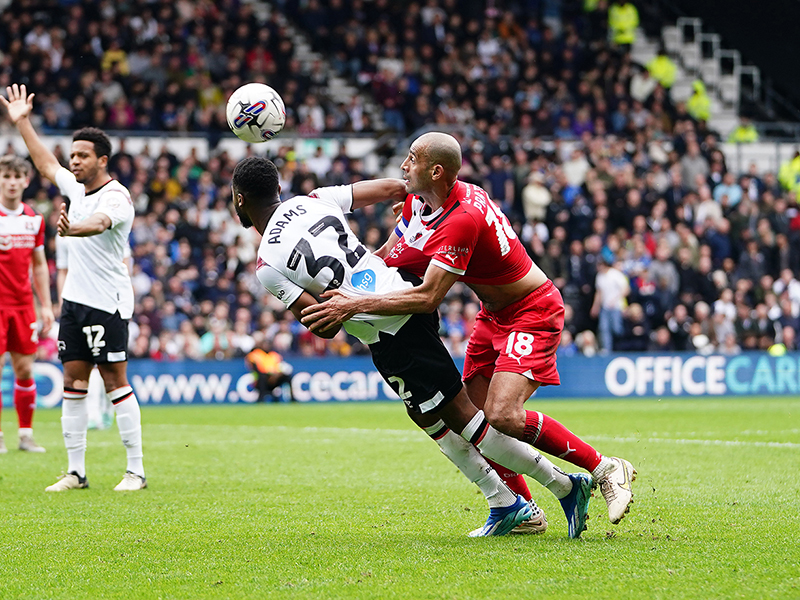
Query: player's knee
<point>24,372</point>
<point>498,418</point>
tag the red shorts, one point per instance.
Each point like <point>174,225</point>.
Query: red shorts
<point>522,338</point>
<point>18,330</point>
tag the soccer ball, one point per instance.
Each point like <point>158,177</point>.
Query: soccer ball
<point>256,113</point>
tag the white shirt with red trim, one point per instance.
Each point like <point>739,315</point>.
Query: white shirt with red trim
<point>96,273</point>
<point>469,235</point>
<point>308,246</point>
<point>21,232</point>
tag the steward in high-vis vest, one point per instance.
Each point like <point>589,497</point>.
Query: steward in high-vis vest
<point>663,69</point>
<point>623,19</point>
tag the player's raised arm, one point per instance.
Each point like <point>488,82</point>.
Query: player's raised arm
<point>373,191</point>
<point>19,106</point>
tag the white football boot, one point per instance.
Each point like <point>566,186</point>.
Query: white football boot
<point>615,485</point>
<point>70,481</point>
<point>131,482</point>
<point>28,444</point>
<point>537,523</point>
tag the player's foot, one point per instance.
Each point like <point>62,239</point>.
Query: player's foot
<point>70,481</point>
<point>615,486</point>
<point>28,444</point>
<point>537,523</point>
<point>3,448</point>
<point>502,520</point>
<point>131,482</point>
<point>576,504</point>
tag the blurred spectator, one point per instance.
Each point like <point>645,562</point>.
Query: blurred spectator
<point>663,69</point>
<point>744,133</point>
<point>635,334</point>
<point>699,104</point>
<point>612,288</point>
<point>623,19</point>
<point>270,372</point>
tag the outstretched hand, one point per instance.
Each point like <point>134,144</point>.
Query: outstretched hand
<point>19,104</point>
<point>337,309</point>
<point>63,222</point>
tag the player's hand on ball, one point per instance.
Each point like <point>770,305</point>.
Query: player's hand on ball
<point>19,105</point>
<point>334,311</point>
<point>63,222</point>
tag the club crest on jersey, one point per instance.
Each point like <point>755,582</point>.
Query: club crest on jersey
<point>364,280</point>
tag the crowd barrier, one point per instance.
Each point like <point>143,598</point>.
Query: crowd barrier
<point>355,379</point>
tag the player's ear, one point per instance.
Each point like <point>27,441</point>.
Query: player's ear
<point>103,161</point>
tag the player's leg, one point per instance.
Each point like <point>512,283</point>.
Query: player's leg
<point>3,449</point>
<point>76,356</point>
<point>21,330</point>
<point>74,423</point>
<point>478,368</point>
<point>25,399</point>
<point>129,422</point>
<point>504,410</point>
<point>415,363</point>
<point>527,341</point>
<point>478,471</point>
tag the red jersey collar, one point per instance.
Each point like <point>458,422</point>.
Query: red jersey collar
<point>455,194</point>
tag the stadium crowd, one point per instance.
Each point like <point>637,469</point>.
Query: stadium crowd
<point>622,197</point>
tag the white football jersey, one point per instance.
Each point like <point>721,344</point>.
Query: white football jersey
<point>96,273</point>
<point>308,246</point>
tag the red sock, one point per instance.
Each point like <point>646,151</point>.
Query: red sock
<point>548,435</point>
<point>513,480</point>
<point>25,401</point>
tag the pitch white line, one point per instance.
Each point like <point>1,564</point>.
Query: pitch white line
<point>699,442</point>
<point>404,435</point>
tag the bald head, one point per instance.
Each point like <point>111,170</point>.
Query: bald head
<point>439,148</point>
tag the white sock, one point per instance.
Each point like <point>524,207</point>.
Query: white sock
<point>25,431</point>
<point>74,423</point>
<point>474,467</point>
<point>604,468</point>
<point>517,456</point>
<point>129,422</point>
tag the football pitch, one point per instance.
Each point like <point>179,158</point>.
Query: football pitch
<point>352,501</point>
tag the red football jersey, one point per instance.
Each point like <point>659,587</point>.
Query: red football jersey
<point>469,236</point>
<point>20,233</point>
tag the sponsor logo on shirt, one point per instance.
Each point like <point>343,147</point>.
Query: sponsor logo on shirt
<point>451,253</point>
<point>11,242</point>
<point>364,280</point>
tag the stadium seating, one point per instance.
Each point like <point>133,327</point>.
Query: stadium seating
<point>547,93</point>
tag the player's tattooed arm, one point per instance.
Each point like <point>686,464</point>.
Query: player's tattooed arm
<point>374,191</point>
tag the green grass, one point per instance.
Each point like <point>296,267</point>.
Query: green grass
<point>351,501</point>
